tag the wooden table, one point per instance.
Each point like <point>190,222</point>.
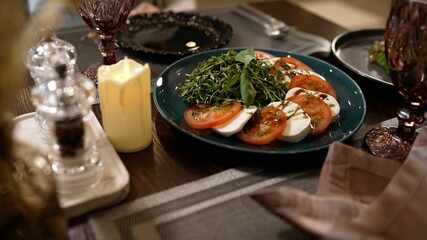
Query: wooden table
<point>175,158</point>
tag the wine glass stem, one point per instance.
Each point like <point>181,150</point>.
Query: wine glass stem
<point>108,48</point>
<point>410,118</point>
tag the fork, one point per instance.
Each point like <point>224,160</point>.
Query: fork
<point>271,26</point>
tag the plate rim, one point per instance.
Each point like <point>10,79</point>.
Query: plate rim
<point>334,50</point>
<point>262,151</point>
<point>227,31</point>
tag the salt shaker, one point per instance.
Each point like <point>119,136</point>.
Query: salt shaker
<point>65,103</point>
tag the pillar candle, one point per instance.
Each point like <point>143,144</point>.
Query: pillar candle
<point>125,99</point>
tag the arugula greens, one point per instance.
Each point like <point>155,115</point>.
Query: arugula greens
<point>377,55</point>
<point>233,76</point>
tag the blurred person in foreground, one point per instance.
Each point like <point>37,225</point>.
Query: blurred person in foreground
<point>141,6</point>
<point>153,6</point>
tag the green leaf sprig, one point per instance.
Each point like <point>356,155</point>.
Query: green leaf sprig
<point>233,76</point>
<point>377,55</point>
<point>247,89</point>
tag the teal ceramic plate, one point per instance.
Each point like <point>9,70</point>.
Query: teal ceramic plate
<point>350,97</point>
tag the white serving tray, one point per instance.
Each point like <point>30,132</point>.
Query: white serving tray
<point>114,185</point>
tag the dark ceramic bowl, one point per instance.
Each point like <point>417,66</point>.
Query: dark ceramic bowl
<point>174,34</point>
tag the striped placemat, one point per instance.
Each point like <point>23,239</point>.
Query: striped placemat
<point>215,207</point>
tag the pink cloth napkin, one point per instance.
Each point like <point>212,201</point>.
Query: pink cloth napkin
<point>359,196</point>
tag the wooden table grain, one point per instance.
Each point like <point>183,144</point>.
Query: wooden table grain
<point>175,158</point>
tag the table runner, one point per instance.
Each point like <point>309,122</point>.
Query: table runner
<point>215,207</point>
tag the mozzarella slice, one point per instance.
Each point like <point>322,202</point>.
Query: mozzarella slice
<point>289,74</point>
<point>328,99</point>
<point>270,61</point>
<point>298,123</point>
<point>236,124</point>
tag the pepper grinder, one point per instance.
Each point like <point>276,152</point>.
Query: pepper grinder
<point>65,103</point>
<point>41,60</point>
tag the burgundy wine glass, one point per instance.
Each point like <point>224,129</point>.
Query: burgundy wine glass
<point>406,51</point>
<point>105,17</point>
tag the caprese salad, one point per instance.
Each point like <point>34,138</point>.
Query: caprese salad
<point>258,97</point>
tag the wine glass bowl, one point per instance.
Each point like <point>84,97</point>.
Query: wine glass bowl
<point>406,53</point>
<point>105,17</point>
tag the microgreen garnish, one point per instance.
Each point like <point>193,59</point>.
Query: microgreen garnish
<point>233,76</point>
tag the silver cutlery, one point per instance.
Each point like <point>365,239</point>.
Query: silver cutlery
<point>271,26</point>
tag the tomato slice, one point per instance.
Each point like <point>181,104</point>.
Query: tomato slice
<point>289,63</point>
<point>312,82</point>
<point>319,112</point>
<point>262,55</point>
<point>201,116</point>
<point>265,126</point>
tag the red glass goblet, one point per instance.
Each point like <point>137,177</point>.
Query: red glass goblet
<point>406,51</point>
<point>105,17</point>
